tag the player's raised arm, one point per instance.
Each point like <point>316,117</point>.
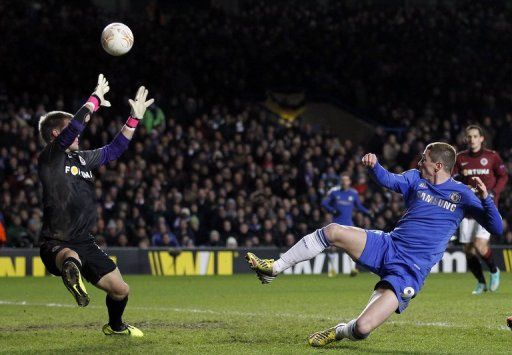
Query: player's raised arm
<point>83,115</point>
<point>119,144</point>
<point>396,182</point>
<point>484,210</point>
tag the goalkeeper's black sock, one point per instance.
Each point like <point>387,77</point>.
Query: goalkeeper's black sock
<point>115,312</point>
<point>489,261</point>
<point>475,267</point>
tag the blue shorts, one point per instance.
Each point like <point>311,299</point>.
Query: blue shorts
<point>381,257</point>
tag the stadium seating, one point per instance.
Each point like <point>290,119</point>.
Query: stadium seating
<point>219,161</point>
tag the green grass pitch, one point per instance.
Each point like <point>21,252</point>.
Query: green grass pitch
<point>239,315</point>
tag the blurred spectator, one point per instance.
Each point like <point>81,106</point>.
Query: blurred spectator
<point>214,240</point>
<point>231,243</point>
<point>153,118</point>
<point>3,234</point>
<point>17,235</point>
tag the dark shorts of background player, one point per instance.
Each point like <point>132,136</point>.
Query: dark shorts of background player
<point>95,262</point>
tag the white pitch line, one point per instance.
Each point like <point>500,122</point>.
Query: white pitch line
<point>243,314</point>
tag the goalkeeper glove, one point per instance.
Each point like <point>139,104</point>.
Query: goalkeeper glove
<point>139,106</point>
<point>98,96</point>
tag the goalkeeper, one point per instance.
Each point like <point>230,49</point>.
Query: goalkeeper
<point>68,249</point>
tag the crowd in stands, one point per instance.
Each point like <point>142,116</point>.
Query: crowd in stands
<point>209,165</point>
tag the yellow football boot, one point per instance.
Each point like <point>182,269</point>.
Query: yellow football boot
<point>72,279</point>
<point>262,267</point>
<point>323,338</point>
<point>127,330</point>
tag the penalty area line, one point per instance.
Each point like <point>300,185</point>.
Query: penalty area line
<point>243,314</point>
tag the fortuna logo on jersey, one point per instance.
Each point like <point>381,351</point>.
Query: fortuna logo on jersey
<point>436,201</point>
<point>467,172</point>
<point>75,171</point>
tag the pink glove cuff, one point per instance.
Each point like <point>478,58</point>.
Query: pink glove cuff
<point>132,122</point>
<point>95,101</point>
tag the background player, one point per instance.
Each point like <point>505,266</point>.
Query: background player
<point>403,258</point>
<point>340,202</point>
<point>488,166</point>
<point>68,249</point>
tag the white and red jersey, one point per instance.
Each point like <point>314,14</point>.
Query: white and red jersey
<point>485,164</point>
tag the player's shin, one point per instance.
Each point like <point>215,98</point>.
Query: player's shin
<point>475,267</point>
<point>307,248</point>
<point>489,260</point>
<point>115,311</point>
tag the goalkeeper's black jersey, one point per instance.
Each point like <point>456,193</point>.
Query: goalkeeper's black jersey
<point>69,199</point>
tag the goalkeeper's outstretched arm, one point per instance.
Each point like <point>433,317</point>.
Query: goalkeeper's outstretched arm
<point>83,115</point>
<point>119,144</point>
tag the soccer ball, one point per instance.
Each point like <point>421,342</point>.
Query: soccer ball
<point>117,39</point>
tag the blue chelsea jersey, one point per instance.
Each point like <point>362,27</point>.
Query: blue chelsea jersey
<point>341,203</point>
<point>433,214</point>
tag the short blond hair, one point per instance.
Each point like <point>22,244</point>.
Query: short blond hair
<point>443,152</point>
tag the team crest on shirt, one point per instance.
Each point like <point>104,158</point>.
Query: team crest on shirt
<point>422,185</point>
<point>350,198</point>
<point>455,197</point>
<point>82,160</point>
<point>484,161</point>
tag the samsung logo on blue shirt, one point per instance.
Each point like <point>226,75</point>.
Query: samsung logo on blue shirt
<point>437,201</point>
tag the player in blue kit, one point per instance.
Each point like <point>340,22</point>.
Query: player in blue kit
<point>402,258</point>
<point>340,202</point>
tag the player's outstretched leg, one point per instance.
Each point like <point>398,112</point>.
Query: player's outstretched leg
<point>350,239</point>
<point>305,249</point>
<point>381,306</point>
<point>116,300</point>
<point>72,279</point>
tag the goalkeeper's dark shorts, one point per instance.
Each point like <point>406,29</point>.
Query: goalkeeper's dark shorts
<point>95,262</point>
